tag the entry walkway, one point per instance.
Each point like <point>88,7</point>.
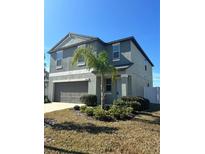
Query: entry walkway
<point>54,106</point>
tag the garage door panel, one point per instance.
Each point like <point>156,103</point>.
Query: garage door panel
<point>70,91</point>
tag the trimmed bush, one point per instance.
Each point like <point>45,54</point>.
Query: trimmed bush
<point>46,100</point>
<point>89,111</point>
<point>115,111</point>
<point>89,100</point>
<point>120,102</point>
<point>76,107</point>
<point>128,110</point>
<point>82,109</point>
<point>136,106</point>
<point>144,103</point>
<point>101,114</point>
<point>120,112</point>
<point>106,107</point>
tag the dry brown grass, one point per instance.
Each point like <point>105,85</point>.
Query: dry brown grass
<point>79,134</point>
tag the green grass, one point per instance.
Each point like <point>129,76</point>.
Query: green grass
<point>77,133</point>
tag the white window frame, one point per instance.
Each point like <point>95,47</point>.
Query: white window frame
<point>82,63</point>
<point>59,59</point>
<point>118,58</point>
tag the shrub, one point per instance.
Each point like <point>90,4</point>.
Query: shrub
<point>126,113</point>
<point>115,111</point>
<point>89,111</point>
<point>120,102</point>
<point>106,107</point>
<point>144,103</point>
<point>89,100</point>
<point>82,108</point>
<point>120,112</point>
<point>136,106</point>
<point>128,110</point>
<point>101,114</point>
<point>76,107</point>
<point>46,100</point>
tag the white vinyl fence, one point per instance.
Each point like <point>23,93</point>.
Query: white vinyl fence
<point>45,88</point>
<point>153,94</point>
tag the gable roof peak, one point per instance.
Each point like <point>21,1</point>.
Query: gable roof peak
<point>69,36</point>
<point>80,35</point>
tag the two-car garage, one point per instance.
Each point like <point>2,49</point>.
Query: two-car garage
<point>70,91</point>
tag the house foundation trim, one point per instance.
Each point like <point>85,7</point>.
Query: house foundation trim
<point>124,75</point>
<point>70,72</point>
<point>71,80</point>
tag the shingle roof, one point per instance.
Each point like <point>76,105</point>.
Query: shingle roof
<point>123,66</point>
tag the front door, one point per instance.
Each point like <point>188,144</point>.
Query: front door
<point>118,88</point>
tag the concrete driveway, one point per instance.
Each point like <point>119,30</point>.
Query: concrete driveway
<point>54,106</point>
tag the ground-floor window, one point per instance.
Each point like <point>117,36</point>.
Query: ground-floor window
<point>108,86</point>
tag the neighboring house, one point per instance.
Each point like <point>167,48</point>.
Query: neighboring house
<point>46,80</point>
<point>67,82</point>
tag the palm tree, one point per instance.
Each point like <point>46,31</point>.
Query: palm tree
<point>98,62</point>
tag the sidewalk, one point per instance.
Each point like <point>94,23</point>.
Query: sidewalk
<point>54,106</point>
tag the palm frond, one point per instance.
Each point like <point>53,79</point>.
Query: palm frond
<point>100,63</point>
<point>87,55</point>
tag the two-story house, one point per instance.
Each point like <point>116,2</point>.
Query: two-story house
<point>68,82</point>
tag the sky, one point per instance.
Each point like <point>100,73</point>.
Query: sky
<point>108,20</point>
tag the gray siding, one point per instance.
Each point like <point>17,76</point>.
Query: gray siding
<point>139,77</point>
<point>133,85</point>
<point>125,54</point>
<point>92,86</point>
<point>67,58</point>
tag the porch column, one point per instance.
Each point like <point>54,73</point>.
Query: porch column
<point>124,79</point>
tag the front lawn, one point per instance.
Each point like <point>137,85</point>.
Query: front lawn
<point>73,132</point>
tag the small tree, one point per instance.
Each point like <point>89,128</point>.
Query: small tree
<point>98,62</point>
<point>45,72</point>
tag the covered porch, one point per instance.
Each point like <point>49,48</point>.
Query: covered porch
<point>122,86</point>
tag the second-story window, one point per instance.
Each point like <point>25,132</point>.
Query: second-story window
<point>145,64</point>
<point>116,52</point>
<point>59,57</point>
<point>81,61</point>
